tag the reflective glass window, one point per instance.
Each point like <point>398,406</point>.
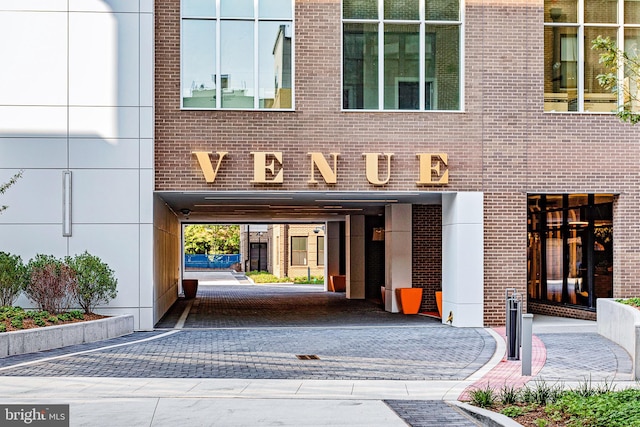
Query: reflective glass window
<point>442,10</point>
<point>570,249</point>
<point>571,67</point>
<point>237,8</point>
<point>382,60</point>
<point>199,63</point>
<point>238,59</point>
<point>360,9</point>
<point>201,8</point>
<point>360,66</point>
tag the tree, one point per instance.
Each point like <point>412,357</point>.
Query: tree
<point>212,239</point>
<point>4,187</point>
<point>615,60</point>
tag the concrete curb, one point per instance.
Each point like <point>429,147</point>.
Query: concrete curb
<point>486,417</point>
<point>50,337</point>
<point>620,323</point>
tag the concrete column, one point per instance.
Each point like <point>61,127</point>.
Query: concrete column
<point>354,234</point>
<point>463,258</point>
<point>331,251</point>
<point>397,252</point>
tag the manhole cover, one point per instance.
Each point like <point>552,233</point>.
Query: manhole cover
<point>307,357</point>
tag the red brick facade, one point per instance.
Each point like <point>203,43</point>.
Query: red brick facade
<point>501,144</point>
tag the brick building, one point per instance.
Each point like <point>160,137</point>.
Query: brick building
<point>473,133</point>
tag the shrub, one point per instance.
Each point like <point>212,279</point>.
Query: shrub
<point>96,282</point>
<point>52,283</point>
<point>13,278</point>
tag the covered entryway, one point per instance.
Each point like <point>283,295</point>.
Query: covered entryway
<point>350,219</point>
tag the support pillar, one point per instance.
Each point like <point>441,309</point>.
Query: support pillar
<point>463,258</point>
<point>331,251</point>
<point>354,235</point>
<point>397,252</point>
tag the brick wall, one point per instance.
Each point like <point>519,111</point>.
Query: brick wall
<point>501,143</point>
<point>427,252</point>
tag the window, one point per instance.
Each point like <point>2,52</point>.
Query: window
<point>571,67</point>
<point>401,55</point>
<point>570,250</point>
<point>299,250</point>
<point>320,259</point>
<point>237,54</point>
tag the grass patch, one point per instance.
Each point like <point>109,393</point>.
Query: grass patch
<point>266,277</point>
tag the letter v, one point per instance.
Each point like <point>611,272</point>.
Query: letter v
<point>206,166</point>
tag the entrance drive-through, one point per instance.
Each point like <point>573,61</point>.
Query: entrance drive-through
<point>379,241</point>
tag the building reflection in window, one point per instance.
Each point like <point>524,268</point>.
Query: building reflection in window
<point>570,248</point>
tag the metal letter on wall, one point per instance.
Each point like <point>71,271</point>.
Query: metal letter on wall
<point>206,166</point>
<point>428,169</point>
<point>329,176</point>
<point>372,168</point>
<point>260,167</point>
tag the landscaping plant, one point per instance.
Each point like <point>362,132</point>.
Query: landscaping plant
<point>96,283</point>
<point>13,278</point>
<point>52,283</point>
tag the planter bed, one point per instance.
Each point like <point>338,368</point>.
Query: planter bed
<point>50,337</point>
<point>620,323</point>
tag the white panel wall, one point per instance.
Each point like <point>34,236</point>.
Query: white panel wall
<point>79,96</point>
<point>463,258</point>
<point>398,255</point>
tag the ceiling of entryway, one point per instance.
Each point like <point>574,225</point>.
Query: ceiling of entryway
<point>290,205</point>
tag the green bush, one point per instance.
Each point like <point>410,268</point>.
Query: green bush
<point>13,278</point>
<point>3,327</point>
<point>17,322</point>
<point>52,283</point>
<point>96,283</point>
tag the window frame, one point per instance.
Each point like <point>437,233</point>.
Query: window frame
<point>423,79</point>
<point>218,19</point>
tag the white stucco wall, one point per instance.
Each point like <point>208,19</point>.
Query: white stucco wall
<point>76,94</point>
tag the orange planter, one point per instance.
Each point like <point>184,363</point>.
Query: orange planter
<point>409,299</point>
<point>439,302</point>
<point>338,283</point>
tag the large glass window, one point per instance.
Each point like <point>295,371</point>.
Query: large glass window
<point>237,54</point>
<point>401,55</point>
<point>571,67</point>
<point>570,250</point>
<point>298,250</point>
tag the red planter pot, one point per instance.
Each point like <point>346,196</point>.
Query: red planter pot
<point>190,288</point>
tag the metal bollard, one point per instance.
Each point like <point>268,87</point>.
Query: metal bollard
<point>527,343</point>
<point>513,327</point>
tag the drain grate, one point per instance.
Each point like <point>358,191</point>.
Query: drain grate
<point>307,357</point>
